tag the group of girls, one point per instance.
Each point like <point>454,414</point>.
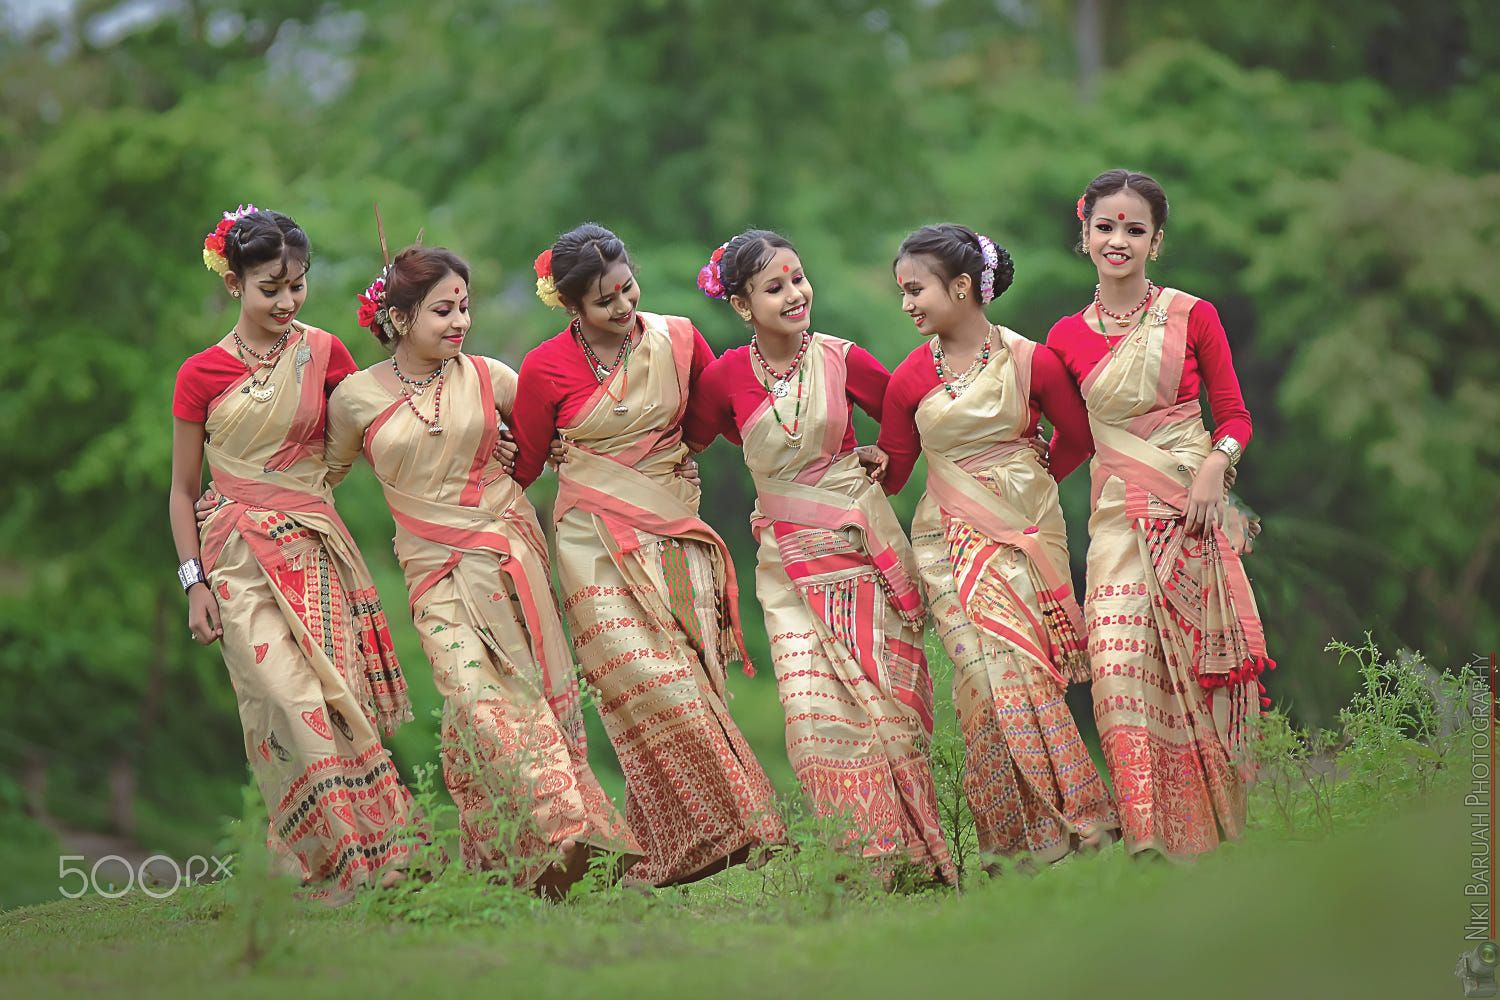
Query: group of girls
<point>620,400</point>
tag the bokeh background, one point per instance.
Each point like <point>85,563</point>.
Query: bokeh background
<point>1334,171</point>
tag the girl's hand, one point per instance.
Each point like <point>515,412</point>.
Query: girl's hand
<point>205,505</point>
<point>874,459</point>
<point>1042,447</point>
<point>203,615</point>
<point>505,451</point>
<point>1205,504</point>
<point>688,469</point>
<point>557,453</point>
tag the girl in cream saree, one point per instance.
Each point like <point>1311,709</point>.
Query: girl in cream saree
<point>836,578</point>
<point>1175,639</point>
<point>992,546</point>
<point>648,588</point>
<point>280,581</point>
<point>514,755</point>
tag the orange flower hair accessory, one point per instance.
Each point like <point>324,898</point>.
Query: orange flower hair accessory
<point>546,288</point>
<point>213,244</point>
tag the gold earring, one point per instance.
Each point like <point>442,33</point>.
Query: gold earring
<point>234,292</point>
<point>963,295</point>
<point>1153,255</point>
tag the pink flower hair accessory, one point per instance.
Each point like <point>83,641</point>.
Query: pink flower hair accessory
<point>711,276</point>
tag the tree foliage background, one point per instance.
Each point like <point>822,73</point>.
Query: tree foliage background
<point>1334,174</point>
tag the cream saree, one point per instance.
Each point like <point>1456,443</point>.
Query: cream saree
<point>838,585</point>
<point>475,560</point>
<point>651,602</point>
<point>993,550</point>
<point>1175,639</point>
<point>305,639</point>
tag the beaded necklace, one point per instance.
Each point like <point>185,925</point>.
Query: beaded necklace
<point>956,384</point>
<point>781,388</point>
<point>435,425</point>
<point>601,373</point>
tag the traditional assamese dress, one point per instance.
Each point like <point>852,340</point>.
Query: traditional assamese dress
<point>1175,640</point>
<point>993,551</point>
<point>838,585</point>
<point>649,593</point>
<point>305,640</point>
<point>475,559</point>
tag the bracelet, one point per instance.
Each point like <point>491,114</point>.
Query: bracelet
<point>189,573</point>
<point>1229,446</point>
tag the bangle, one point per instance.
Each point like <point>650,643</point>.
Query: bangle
<point>1230,447</point>
<point>189,573</point>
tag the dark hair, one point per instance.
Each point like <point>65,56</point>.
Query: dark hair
<point>745,255</point>
<point>956,250</point>
<point>581,255</point>
<point>1113,181</point>
<point>412,275</point>
<point>264,236</point>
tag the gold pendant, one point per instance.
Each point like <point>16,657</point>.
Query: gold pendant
<point>794,438</point>
<point>435,430</point>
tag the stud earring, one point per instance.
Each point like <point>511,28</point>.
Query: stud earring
<point>1153,255</point>
<point>235,292</point>
<point>963,295</point>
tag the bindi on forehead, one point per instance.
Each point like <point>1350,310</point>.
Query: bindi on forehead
<point>1121,216</point>
<point>786,268</point>
<point>617,286</point>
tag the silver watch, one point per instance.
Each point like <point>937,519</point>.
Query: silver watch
<point>189,573</point>
<point>1230,447</point>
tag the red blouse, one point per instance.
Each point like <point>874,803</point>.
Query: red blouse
<point>730,391</point>
<point>1077,340</point>
<point>1053,393</point>
<point>206,375</point>
<point>554,383</point>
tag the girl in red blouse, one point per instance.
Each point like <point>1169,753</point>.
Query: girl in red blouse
<point>1175,641</point>
<point>274,574</point>
<point>648,588</point>
<point>836,578</point>
<point>992,546</point>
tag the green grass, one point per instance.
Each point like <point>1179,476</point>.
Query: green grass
<point>1376,912</point>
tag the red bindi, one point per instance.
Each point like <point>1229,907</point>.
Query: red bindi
<point>785,268</point>
<point>1121,216</point>
<point>617,288</point>
<point>455,290</point>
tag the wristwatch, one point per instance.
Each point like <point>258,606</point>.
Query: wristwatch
<point>189,573</point>
<point>1230,447</point>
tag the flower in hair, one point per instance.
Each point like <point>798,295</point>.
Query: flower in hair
<point>987,275</point>
<point>546,287</point>
<point>711,275</point>
<point>213,244</point>
<point>1080,206</point>
<point>374,315</point>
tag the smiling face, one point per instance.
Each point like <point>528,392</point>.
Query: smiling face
<point>1120,234</point>
<point>929,299</point>
<point>778,297</point>
<point>435,331</point>
<point>271,294</point>
<point>609,304</point>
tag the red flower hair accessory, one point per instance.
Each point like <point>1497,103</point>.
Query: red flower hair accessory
<point>373,313</point>
<point>711,276</point>
<point>213,244</point>
<point>1080,206</point>
<point>546,288</point>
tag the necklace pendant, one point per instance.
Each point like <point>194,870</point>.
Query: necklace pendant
<point>263,393</point>
<point>1123,321</point>
<point>435,430</point>
<point>621,408</point>
<point>780,388</point>
<point>794,438</point>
